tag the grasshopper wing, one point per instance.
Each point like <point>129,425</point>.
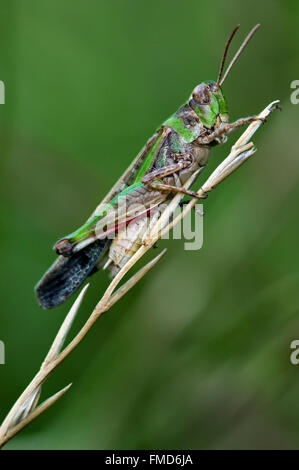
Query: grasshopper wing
<point>66,275</point>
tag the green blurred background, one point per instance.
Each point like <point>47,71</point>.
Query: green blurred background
<point>197,354</point>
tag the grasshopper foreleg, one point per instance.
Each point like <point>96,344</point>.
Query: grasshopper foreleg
<point>227,129</point>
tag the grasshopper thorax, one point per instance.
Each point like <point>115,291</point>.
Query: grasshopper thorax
<point>204,112</point>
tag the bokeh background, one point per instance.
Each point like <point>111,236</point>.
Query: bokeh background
<point>197,354</point>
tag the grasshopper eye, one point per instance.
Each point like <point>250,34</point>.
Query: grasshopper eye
<point>201,94</point>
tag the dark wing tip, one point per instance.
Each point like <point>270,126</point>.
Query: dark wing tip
<point>66,275</point>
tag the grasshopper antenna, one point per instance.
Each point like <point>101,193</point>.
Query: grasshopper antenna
<point>243,45</point>
<point>229,40</point>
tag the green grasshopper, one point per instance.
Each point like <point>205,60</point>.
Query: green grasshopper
<point>179,149</point>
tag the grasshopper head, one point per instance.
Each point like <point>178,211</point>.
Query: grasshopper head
<point>207,98</point>
<point>208,102</point>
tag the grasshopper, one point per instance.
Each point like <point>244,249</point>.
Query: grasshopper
<point>178,149</point>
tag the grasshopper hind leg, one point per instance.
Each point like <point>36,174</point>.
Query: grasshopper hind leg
<point>66,275</point>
